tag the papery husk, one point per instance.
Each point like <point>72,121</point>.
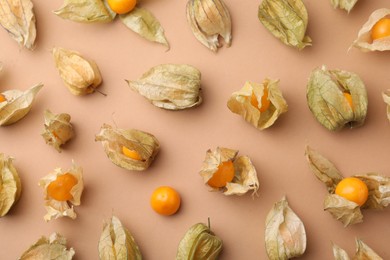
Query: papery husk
<point>143,22</point>
<point>363,252</point>
<point>58,129</point>
<point>364,41</point>
<point>347,5</point>
<point>57,209</point>
<point>285,235</point>
<point>145,144</point>
<point>18,19</point>
<point>286,20</point>
<point>10,185</point>
<point>85,11</point>
<point>348,212</point>
<point>52,248</point>
<point>386,99</point>
<point>80,75</point>
<point>199,243</point>
<point>116,242</point>
<point>245,175</point>
<point>208,20</point>
<point>170,86</point>
<point>17,105</point>
<point>240,103</point>
<point>327,102</point>
<point>339,253</point>
<point>378,190</point>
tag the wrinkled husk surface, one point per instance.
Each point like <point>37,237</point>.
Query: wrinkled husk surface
<point>327,102</point>
<point>145,144</point>
<point>10,185</point>
<point>386,99</point>
<point>85,11</point>
<point>57,209</point>
<point>170,86</point>
<point>240,103</point>
<point>339,253</point>
<point>347,5</point>
<point>363,252</point>
<point>58,129</point>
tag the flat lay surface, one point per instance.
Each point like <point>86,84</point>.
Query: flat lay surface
<point>277,152</point>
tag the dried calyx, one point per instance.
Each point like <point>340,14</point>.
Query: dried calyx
<point>58,129</point>
<point>363,251</point>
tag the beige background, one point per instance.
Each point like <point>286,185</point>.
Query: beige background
<point>277,153</point>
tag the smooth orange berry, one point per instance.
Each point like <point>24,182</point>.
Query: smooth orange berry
<point>165,201</point>
<point>121,6</point>
<point>2,98</point>
<point>60,188</point>
<point>348,97</point>
<point>353,189</point>
<point>131,153</point>
<point>381,29</point>
<point>265,102</point>
<point>223,175</point>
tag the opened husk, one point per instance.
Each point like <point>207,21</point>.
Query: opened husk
<point>18,19</point>
<point>17,105</point>
<point>286,20</point>
<point>116,242</point>
<point>57,209</point>
<point>348,212</point>
<point>170,86</point>
<point>245,175</point>
<point>339,253</point>
<point>386,99</point>
<point>363,251</point>
<point>52,248</point>
<point>347,5</point>
<point>10,185</point>
<point>58,129</point>
<point>199,243</point>
<point>326,91</point>
<point>143,22</point>
<point>240,103</point>
<point>80,75</point>
<point>285,235</point>
<point>85,11</point>
<point>142,143</point>
<point>364,41</point>
<point>208,20</point>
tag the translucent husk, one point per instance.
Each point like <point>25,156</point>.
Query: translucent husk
<point>145,144</point>
<point>346,211</point>
<point>199,243</point>
<point>116,242</point>
<point>364,41</point>
<point>57,209</point>
<point>85,11</point>
<point>52,248</point>
<point>240,103</point>
<point>386,99</point>
<point>18,19</point>
<point>17,105</point>
<point>208,20</point>
<point>245,175</point>
<point>143,22</point>
<point>58,129</point>
<point>286,20</point>
<point>285,235</point>
<point>10,185</point>
<point>363,252</point>
<point>326,100</point>
<point>80,75</point>
<point>347,5</point>
<point>170,86</point>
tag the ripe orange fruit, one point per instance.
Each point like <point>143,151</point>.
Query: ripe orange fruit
<point>122,6</point>
<point>265,102</point>
<point>353,189</point>
<point>2,98</point>
<point>381,29</point>
<point>223,175</point>
<point>59,189</point>
<point>131,153</point>
<point>165,200</point>
<point>348,97</point>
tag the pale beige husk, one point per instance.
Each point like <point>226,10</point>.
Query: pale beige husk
<point>145,144</point>
<point>58,129</point>
<point>346,211</point>
<point>245,175</point>
<point>327,102</point>
<point>240,103</point>
<point>10,185</point>
<point>170,86</point>
<point>363,252</point>
<point>52,248</point>
<point>285,235</point>
<point>209,19</point>
<point>116,242</point>
<point>80,75</point>
<point>57,209</point>
<point>85,11</point>
<point>17,105</point>
<point>143,22</point>
<point>339,253</point>
<point>287,20</point>
<point>386,99</point>
<point>199,242</point>
<point>347,5</point>
<point>364,41</point>
<point>18,19</point>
